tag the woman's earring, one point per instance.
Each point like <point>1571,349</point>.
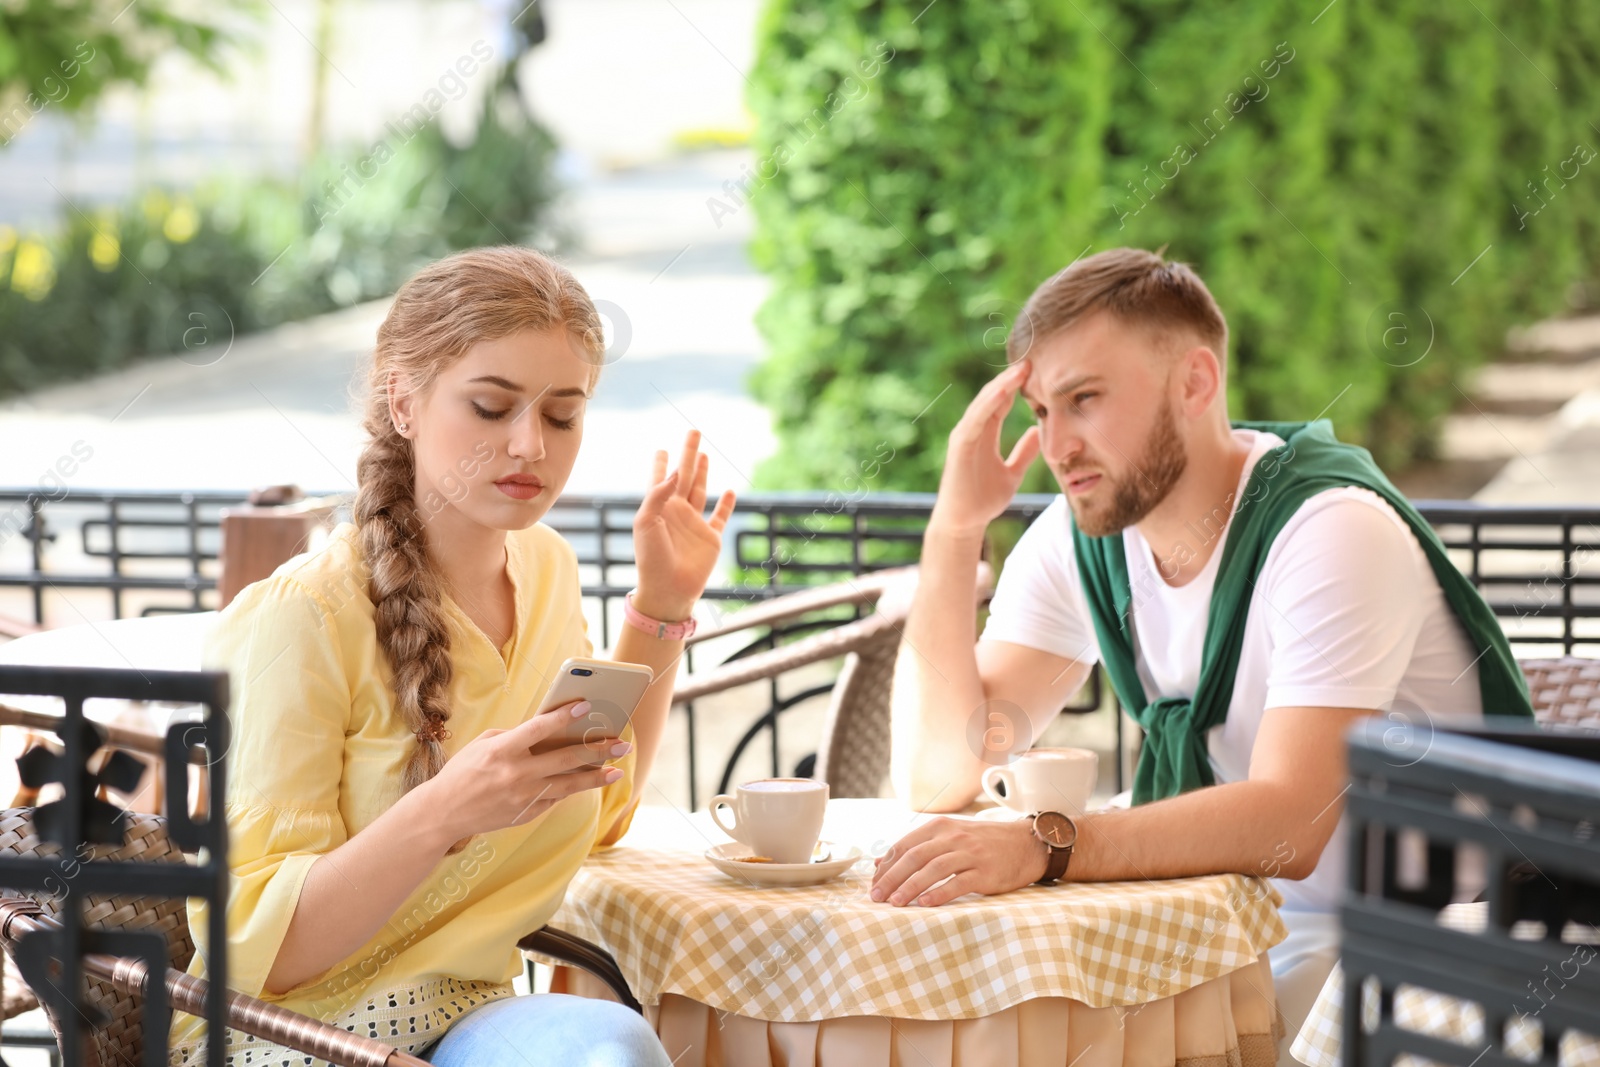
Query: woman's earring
<point>402,426</point>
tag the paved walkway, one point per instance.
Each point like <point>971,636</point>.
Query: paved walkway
<point>275,406</point>
<point>1562,467</point>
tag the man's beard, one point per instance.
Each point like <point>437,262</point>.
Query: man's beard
<point>1140,489</point>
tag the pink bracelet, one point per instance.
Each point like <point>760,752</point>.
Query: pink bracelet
<point>664,631</point>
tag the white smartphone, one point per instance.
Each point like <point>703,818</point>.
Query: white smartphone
<point>613,691</point>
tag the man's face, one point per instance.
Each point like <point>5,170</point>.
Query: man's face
<point>1101,391</point>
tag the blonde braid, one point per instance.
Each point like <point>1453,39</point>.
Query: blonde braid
<point>407,594</point>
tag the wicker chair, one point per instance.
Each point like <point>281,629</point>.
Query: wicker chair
<point>853,752</point>
<point>115,985</point>
<point>1565,691</point>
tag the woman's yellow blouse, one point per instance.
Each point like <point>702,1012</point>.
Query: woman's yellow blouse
<point>316,756</point>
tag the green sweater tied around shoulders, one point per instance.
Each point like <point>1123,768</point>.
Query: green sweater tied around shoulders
<point>1311,460</point>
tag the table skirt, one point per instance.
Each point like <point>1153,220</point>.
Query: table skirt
<point>1230,1021</point>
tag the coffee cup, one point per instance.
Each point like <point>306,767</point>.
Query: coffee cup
<point>1045,779</point>
<point>780,818</point>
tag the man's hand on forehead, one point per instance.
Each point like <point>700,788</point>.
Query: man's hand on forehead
<point>978,482</point>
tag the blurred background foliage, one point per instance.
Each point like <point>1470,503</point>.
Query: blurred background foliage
<point>1359,186</point>
<point>115,284</point>
<point>66,53</point>
<point>1334,178</point>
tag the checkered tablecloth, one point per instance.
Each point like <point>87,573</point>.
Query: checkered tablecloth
<point>678,925</point>
<point>1434,1014</point>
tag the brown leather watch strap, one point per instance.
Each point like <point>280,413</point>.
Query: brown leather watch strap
<point>1057,865</point>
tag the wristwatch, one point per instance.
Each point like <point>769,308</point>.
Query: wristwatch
<point>1059,835</point>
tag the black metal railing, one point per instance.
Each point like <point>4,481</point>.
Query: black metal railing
<point>1539,566</point>
<point>1514,802</point>
<point>146,542</point>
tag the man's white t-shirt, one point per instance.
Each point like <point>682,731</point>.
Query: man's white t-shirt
<point>1346,613</point>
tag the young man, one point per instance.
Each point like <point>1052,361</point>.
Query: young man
<point>1252,589</point>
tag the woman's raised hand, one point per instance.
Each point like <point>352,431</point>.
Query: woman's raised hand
<point>496,781</point>
<point>674,542</point>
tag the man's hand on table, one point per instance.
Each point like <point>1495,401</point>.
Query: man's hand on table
<point>984,857</point>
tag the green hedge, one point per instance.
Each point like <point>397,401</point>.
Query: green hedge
<point>920,168</point>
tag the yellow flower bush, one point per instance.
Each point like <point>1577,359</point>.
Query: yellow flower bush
<point>33,269</point>
<point>182,222</point>
<point>104,250</point>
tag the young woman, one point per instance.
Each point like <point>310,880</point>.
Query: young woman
<point>392,833</point>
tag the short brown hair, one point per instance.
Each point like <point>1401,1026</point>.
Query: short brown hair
<point>1138,287</point>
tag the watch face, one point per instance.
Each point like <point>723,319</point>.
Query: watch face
<point>1055,828</point>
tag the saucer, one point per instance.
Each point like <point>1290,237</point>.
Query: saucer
<point>729,859</point>
<point>998,814</point>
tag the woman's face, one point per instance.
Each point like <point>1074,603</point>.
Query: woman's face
<point>496,436</point>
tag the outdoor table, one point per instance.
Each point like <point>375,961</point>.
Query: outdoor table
<point>156,643</point>
<point>1436,1014</point>
<point>1144,974</point>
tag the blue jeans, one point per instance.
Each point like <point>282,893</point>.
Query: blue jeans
<point>548,1029</point>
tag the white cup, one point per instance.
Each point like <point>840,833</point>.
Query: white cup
<point>780,818</point>
<point>1045,779</point>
